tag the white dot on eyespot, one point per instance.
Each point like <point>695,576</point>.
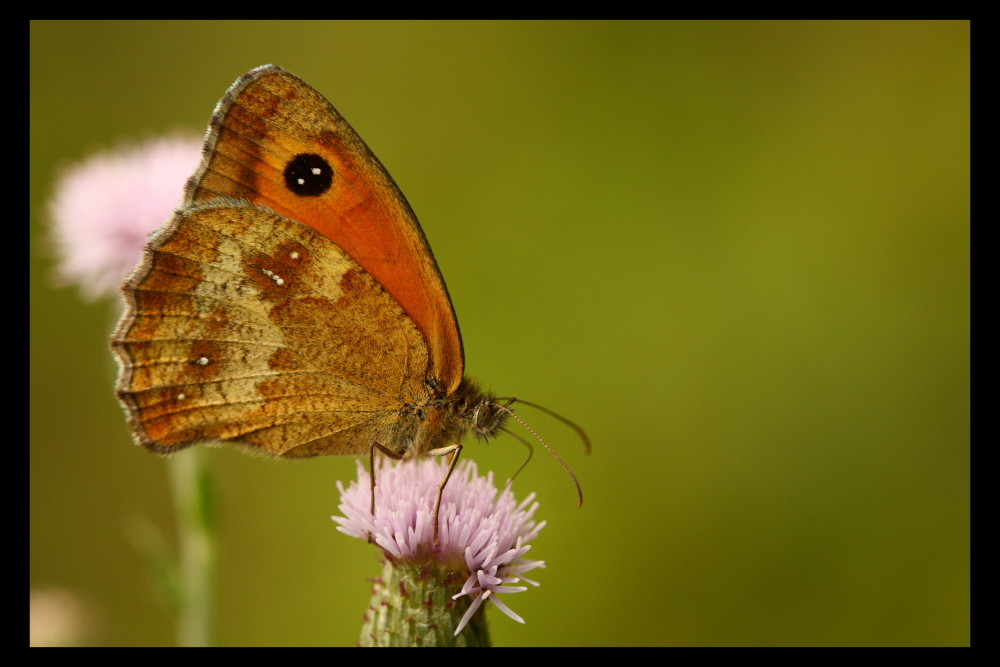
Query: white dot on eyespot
<point>202,361</point>
<point>294,254</point>
<point>181,397</point>
<point>302,181</point>
<point>316,171</point>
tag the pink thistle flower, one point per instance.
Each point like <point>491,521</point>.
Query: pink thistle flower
<point>104,208</point>
<point>484,533</point>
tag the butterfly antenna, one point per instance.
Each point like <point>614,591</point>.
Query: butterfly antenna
<point>573,425</point>
<point>579,490</point>
<point>531,451</point>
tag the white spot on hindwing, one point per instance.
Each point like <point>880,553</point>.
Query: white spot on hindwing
<point>278,280</point>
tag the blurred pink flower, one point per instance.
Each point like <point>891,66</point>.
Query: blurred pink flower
<point>104,208</point>
<point>482,531</point>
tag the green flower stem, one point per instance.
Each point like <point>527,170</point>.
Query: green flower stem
<point>192,491</point>
<point>412,606</point>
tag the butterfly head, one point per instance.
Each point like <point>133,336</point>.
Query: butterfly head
<point>479,412</point>
<point>489,417</point>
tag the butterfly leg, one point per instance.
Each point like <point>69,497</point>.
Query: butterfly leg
<point>454,450</point>
<point>371,472</point>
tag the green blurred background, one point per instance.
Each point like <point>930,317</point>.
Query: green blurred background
<point>737,253</point>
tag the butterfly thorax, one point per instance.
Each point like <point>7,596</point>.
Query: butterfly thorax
<point>445,420</point>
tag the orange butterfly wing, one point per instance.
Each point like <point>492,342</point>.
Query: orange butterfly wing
<point>270,116</point>
<point>292,303</point>
<point>243,325</point>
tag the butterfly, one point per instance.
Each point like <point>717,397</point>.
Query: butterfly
<point>292,304</point>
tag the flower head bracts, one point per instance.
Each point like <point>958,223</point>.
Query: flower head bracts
<point>483,531</point>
